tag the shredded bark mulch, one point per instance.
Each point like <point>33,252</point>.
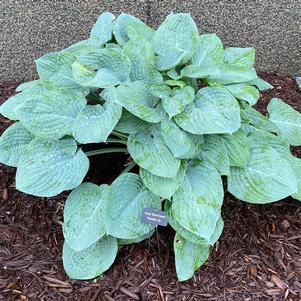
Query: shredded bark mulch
<point>258,256</point>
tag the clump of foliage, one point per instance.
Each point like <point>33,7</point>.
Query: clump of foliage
<point>180,104</point>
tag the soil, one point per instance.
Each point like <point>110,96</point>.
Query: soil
<point>258,256</point>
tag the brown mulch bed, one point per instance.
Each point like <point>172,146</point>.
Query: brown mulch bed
<point>258,256</point>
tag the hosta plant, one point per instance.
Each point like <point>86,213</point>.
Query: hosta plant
<point>180,104</point>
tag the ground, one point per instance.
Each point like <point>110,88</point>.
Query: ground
<point>258,256</point>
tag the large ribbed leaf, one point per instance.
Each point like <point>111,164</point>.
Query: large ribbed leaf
<point>231,74</point>
<point>215,110</point>
<point>175,40</point>
<point>50,114</point>
<point>216,153</point>
<point>102,29</point>
<point>258,120</point>
<point>244,92</point>
<point>181,143</point>
<point>267,178</point>
<point>177,102</point>
<point>295,164</point>
<point>30,86</point>
<point>9,107</point>
<point>160,90</point>
<point>260,84</point>
<point>268,139</point>
<point>142,57</point>
<point>55,70</point>
<point>209,51</point>
<point>197,203</point>
<point>91,262</point>
<point>95,123</point>
<point>238,148</point>
<point>188,256</point>
<point>127,26</point>
<point>84,216</point>
<point>130,124</point>
<point>286,119</point>
<point>47,167</point>
<point>240,57</point>
<point>163,187</point>
<point>122,241</point>
<point>128,198</point>
<point>101,68</point>
<point>207,57</point>
<point>137,99</point>
<point>12,142</point>
<point>189,235</point>
<point>149,151</point>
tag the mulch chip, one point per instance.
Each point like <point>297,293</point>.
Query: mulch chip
<point>258,256</point>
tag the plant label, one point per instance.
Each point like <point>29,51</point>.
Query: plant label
<point>154,216</point>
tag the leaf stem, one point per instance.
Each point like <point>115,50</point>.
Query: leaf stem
<point>114,140</point>
<point>106,151</point>
<point>120,135</point>
<point>129,167</point>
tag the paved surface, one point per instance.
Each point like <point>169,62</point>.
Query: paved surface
<point>30,28</point>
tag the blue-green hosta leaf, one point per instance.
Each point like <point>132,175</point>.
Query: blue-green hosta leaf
<point>128,198</point>
<point>12,142</point>
<point>50,114</point>
<point>197,203</point>
<point>177,102</point>
<point>189,235</point>
<point>286,119</point>
<point>215,110</point>
<point>267,178</point>
<point>84,46</point>
<point>102,68</point>
<point>149,151</point>
<point>295,164</point>
<point>240,57</point>
<point>175,40</point>
<point>35,85</point>
<point>237,67</point>
<point>182,144</point>
<point>102,29</point>
<point>260,84</point>
<point>238,148</point>
<point>160,90</point>
<point>137,99</point>
<point>91,262</point>
<point>193,71</point>
<point>122,242</point>
<point>8,108</point>
<point>55,70</point>
<point>258,120</point>
<point>174,73</point>
<point>47,167</point>
<point>95,123</point>
<point>127,26</point>
<point>142,57</point>
<point>231,74</point>
<point>244,92</point>
<point>215,152</point>
<point>268,139</point>
<point>207,57</point>
<point>130,124</point>
<point>142,48</point>
<point>84,216</point>
<point>209,51</point>
<point>163,187</point>
<point>175,83</point>
<point>188,257</point>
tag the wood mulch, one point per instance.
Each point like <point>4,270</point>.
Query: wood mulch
<point>258,256</point>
